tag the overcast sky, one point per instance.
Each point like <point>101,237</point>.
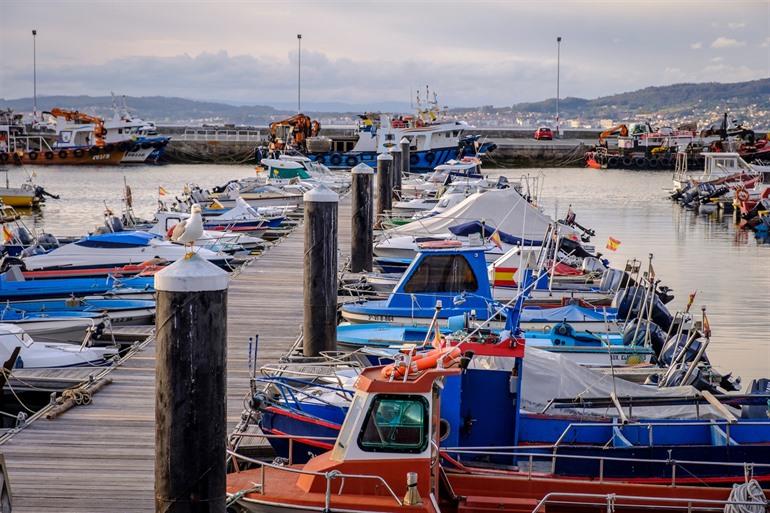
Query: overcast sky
<point>471,53</point>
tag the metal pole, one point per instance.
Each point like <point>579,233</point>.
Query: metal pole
<point>299,73</point>
<point>190,387</point>
<point>34,73</point>
<point>558,70</point>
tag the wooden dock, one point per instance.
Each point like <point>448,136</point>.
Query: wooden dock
<point>100,457</point>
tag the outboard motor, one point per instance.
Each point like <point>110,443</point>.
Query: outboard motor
<point>674,345</point>
<point>502,183</point>
<point>113,224</point>
<point>657,336</point>
<point>716,193</point>
<point>24,236</point>
<point>47,241</point>
<point>757,411</point>
<point>630,300</point>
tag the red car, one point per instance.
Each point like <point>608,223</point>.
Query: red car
<point>543,133</point>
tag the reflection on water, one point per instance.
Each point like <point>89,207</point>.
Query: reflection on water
<point>728,267</point>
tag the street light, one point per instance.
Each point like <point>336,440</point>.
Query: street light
<point>34,73</point>
<point>299,72</point>
<point>558,66</point>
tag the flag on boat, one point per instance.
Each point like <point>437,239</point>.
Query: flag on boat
<point>495,239</point>
<point>7,235</point>
<point>706,325</point>
<point>613,244</point>
<point>162,191</point>
<point>690,300</point>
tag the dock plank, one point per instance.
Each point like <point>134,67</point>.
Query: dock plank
<point>100,458</point>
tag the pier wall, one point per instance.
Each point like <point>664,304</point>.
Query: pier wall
<point>515,147</point>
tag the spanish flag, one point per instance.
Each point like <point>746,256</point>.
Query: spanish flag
<point>162,191</point>
<point>495,239</point>
<point>7,235</point>
<point>612,244</point>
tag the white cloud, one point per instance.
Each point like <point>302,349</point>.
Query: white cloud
<point>697,45</point>
<point>736,24</point>
<point>717,59</point>
<point>765,43</point>
<point>726,42</point>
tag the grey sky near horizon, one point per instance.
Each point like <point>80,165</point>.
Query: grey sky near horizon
<point>471,53</point>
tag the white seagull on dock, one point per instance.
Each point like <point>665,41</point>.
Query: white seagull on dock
<point>189,230</point>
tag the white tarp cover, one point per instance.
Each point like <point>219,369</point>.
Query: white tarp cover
<point>504,209</point>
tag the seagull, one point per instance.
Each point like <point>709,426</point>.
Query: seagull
<point>189,230</point>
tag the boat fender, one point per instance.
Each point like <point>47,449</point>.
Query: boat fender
<point>63,154</point>
<point>123,146</point>
<point>135,148</point>
<point>352,160</point>
<point>3,157</point>
<point>109,148</point>
<point>16,158</point>
<point>335,159</point>
<point>93,150</point>
<point>78,153</point>
<point>430,157</point>
<point>742,194</point>
<point>420,362</point>
<point>146,146</point>
<point>640,162</point>
<point>653,163</point>
<point>612,162</point>
<point>32,155</point>
<point>48,155</point>
<point>627,161</point>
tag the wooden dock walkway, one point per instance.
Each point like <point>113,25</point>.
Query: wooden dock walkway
<point>100,458</point>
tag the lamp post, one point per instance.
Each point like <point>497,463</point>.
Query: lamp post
<point>558,66</point>
<point>34,73</point>
<point>299,73</point>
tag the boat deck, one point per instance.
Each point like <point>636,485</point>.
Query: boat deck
<point>100,457</point>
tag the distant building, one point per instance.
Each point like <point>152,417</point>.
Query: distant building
<point>606,123</point>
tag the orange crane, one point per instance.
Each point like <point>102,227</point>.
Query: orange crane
<point>621,130</point>
<point>72,115</point>
<point>293,131</point>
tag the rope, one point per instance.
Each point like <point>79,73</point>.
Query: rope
<point>750,492</point>
<point>80,396</point>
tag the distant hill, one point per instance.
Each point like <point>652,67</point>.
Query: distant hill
<point>673,100</point>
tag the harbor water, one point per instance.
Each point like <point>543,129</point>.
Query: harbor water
<point>727,267</point>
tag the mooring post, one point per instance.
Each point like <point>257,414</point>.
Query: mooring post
<point>190,387</point>
<point>362,221</point>
<point>395,152</point>
<point>384,186</point>
<point>406,162</point>
<point>320,271</point>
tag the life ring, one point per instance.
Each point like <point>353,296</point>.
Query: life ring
<point>627,161</point>
<point>420,362</point>
<point>640,162</point>
<point>612,162</point>
<point>414,159</point>
<point>352,160</point>
<point>32,155</point>
<point>3,157</point>
<point>78,153</point>
<point>62,154</point>
<point>430,157</point>
<point>335,159</point>
<point>742,194</point>
<point>48,155</point>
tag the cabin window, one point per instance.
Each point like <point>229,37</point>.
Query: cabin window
<point>395,423</point>
<point>442,273</point>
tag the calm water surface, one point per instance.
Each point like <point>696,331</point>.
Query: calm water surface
<point>728,267</point>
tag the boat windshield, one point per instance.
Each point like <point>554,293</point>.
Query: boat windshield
<point>395,423</point>
<point>442,273</point>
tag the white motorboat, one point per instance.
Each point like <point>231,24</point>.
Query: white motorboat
<point>226,241</point>
<point>115,250</point>
<point>45,355</point>
<point>716,166</point>
<point>292,169</point>
<point>469,168</point>
<point>253,190</point>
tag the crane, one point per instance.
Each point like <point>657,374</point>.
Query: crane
<point>621,130</point>
<point>72,115</point>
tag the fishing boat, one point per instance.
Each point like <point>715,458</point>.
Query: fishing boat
<point>47,355</point>
<point>396,442</point>
<point>13,286</point>
<point>118,311</point>
<point>140,138</point>
<point>114,250</point>
<point>434,140</point>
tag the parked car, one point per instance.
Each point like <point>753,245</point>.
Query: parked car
<point>543,133</point>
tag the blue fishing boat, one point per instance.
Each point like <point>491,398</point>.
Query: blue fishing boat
<point>13,286</point>
<point>119,311</point>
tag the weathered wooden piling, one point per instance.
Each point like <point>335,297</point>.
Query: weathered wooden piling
<point>190,387</point>
<point>384,186</point>
<point>395,152</point>
<point>362,220</point>
<point>320,271</point>
<point>406,155</point>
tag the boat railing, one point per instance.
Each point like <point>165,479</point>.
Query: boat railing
<point>290,440</point>
<point>328,476</point>
<point>526,454</point>
<point>292,394</point>
<point>610,501</point>
<point>650,426</point>
<point>221,135</point>
<point>28,143</point>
